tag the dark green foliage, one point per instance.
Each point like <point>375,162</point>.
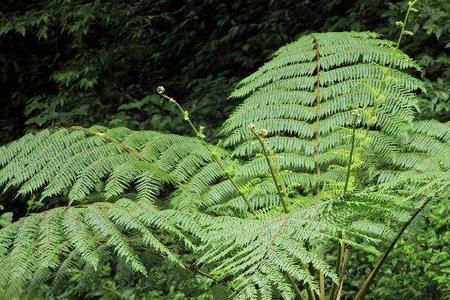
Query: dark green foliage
<point>422,253</point>
<point>76,62</point>
<point>90,57</point>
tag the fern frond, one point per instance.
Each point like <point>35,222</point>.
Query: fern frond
<point>259,256</point>
<point>306,94</point>
<point>35,248</point>
<point>76,160</point>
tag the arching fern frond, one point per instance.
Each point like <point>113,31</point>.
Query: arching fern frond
<point>76,160</point>
<point>426,152</point>
<point>306,94</point>
<point>34,249</point>
<point>260,257</point>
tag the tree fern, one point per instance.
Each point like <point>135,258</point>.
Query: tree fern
<point>332,153</point>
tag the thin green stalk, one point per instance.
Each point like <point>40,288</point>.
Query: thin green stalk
<point>205,274</point>
<point>311,294</point>
<point>282,194</point>
<point>427,189</point>
<point>317,149</point>
<point>344,252</point>
<point>322,285</point>
<point>200,135</point>
<point>280,186</point>
<point>352,150</point>
<point>297,290</point>
<point>345,258</point>
<point>364,288</point>
<point>391,58</point>
<point>403,26</point>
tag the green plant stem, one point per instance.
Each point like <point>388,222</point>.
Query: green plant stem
<point>281,189</point>
<point>370,278</point>
<point>282,194</point>
<point>317,146</point>
<point>205,274</point>
<point>365,287</point>
<point>363,290</point>
<point>112,140</point>
<point>352,150</point>
<point>402,31</point>
<point>344,252</point>
<point>391,58</point>
<point>297,290</point>
<point>216,159</point>
<point>322,285</point>
<point>345,258</point>
<point>311,294</point>
<point>138,156</point>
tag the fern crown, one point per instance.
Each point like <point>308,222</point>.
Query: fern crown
<point>256,211</point>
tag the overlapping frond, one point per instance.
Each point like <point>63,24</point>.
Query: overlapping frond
<point>306,96</point>
<point>76,160</point>
<point>258,255</point>
<point>425,154</point>
<point>266,257</point>
<point>46,246</point>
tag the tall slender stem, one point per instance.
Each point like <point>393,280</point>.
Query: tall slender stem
<point>392,55</point>
<point>364,288</point>
<point>344,251</point>
<point>282,194</point>
<point>279,185</point>
<point>200,135</point>
<point>352,150</point>
<point>317,152</point>
<point>431,191</point>
<point>322,285</point>
<point>296,289</point>
<point>403,26</point>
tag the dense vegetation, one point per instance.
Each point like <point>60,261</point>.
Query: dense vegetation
<point>336,120</point>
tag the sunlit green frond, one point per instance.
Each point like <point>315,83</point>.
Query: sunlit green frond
<point>307,94</point>
<point>77,161</point>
